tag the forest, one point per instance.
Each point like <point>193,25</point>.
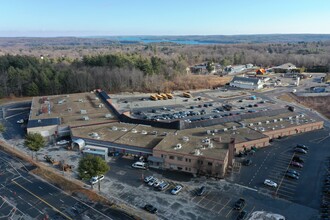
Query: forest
<point>41,69</point>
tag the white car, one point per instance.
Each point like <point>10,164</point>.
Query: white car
<point>95,179</point>
<point>158,182</point>
<point>148,178</point>
<point>176,190</point>
<point>62,142</point>
<point>270,183</point>
<point>21,121</point>
<point>152,181</point>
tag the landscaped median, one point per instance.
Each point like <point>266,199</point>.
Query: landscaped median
<point>72,186</point>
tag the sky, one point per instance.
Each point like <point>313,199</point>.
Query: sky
<point>43,18</point>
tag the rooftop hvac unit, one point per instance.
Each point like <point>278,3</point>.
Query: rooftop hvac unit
<point>234,127</point>
<point>101,105</point>
<point>251,124</point>
<point>243,125</point>
<point>114,128</point>
<point>206,140</point>
<point>80,100</point>
<point>208,132</point>
<point>262,129</point>
<point>215,131</point>
<point>302,115</point>
<point>185,138</point>
<point>290,118</point>
<point>144,132</point>
<point>259,123</point>
<point>273,128</point>
<point>267,122</point>
<point>197,152</point>
<point>225,129</point>
<point>124,129</point>
<point>85,118</point>
<point>177,147</point>
<point>67,96</point>
<point>94,135</point>
<point>96,98</point>
<point>274,120</point>
<point>154,132</point>
<point>280,119</point>
<point>69,109</point>
<point>83,112</point>
<point>297,116</point>
<point>164,134</point>
<point>134,131</point>
<point>108,116</point>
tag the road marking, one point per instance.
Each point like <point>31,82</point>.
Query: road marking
<point>61,200</point>
<point>246,187</point>
<point>40,187</point>
<point>20,197</point>
<point>55,209</point>
<point>50,194</point>
<point>29,204</point>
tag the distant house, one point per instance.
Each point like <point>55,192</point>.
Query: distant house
<point>237,68</point>
<point>199,69</point>
<point>246,83</point>
<point>285,68</point>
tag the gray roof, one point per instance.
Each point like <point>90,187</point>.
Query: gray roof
<point>43,122</point>
<point>287,66</point>
<point>246,79</point>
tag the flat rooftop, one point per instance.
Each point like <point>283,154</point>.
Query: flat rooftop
<point>73,109</point>
<point>122,133</point>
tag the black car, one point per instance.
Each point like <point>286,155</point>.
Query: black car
<point>201,191</point>
<point>302,146</point>
<point>298,159</point>
<point>292,176</point>
<point>239,204</point>
<point>293,172</point>
<point>247,162</point>
<point>241,215</point>
<point>150,208</point>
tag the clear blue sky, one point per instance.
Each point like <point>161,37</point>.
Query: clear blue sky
<point>162,17</point>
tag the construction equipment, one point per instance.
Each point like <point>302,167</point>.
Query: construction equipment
<point>187,95</point>
<point>164,96</point>
<point>49,159</point>
<point>153,97</point>
<point>160,97</point>
<point>169,95</point>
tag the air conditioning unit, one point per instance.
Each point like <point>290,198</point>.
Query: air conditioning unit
<point>234,127</point>
<point>114,128</point>
<point>274,120</point>
<point>267,122</point>
<point>251,124</point>
<point>144,132</point>
<point>178,146</point>
<point>185,139</point>
<point>280,119</point>
<point>124,129</point>
<point>134,131</point>
<point>225,129</point>
<point>290,117</point>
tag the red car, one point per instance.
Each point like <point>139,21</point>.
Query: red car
<point>296,164</point>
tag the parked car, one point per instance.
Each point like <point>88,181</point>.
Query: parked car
<point>239,204</point>
<point>298,159</point>
<point>302,146</point>
<point>176,190</point>
<point>247,162</point>
<point>151,209</point>
<point>292,176</point>
<point>300,150</point>
<point>95,179</point>
<point>241,215</point>
<point>163,186</point>
<point>296,164</point>
<point>270,183</point>
<point>62,142</point>
<point>158,182</point>
<point>201,191</point>
<point>293,172</point>
<point>148,178</point>
<point>21,121</point>
<point>139,165</point>
<point>152,181</point>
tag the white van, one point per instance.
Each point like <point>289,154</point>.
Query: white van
<point>139,165</point>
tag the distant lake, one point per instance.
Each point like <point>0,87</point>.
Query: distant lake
<point>134,40</point>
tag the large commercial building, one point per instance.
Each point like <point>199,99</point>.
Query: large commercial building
<point>206,147</point>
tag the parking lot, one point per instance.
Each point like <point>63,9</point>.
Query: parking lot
<point>274,161</point>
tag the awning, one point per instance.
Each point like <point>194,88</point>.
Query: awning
<point>156,159</point>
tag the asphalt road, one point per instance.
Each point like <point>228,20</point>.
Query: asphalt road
<point>24,196</point>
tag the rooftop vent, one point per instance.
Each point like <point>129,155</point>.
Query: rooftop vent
<point>114,128</point>
<point>101,105</point>
<point>234,127</point>
<point>69,109</point>
<point>164,134</point>
<point>225,129</point>
<point>297,116</point>
<point>80,100</point>
<point>215,130</point>
<point>274,120</point>
<point>96,98</point>
<point>251,124</point>
<point>185,138</point>
<point>94,135</point>
<point>177,147</point>
<point>85,118</point>
<point>61,101</point>
<point>134,130</point>
<point>83,112</point>
<point>154,132</point>
<point>273,128</point>
<point>259,123</point>
<point>108,116</point>
<point>208,132</point>
<point>197,152</point>
<point>144,132</point>
<point>267,122</point>
<point>67,96</point>
<point>280,119</point>
<point>124,129</point>
<point>290,118</point>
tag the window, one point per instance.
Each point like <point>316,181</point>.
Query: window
<point>171,157</point>
<point>209,163</point>
<point>189,160</point>
<point>200,162</point>
<point>180,158</point>
<point>186,161</point>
